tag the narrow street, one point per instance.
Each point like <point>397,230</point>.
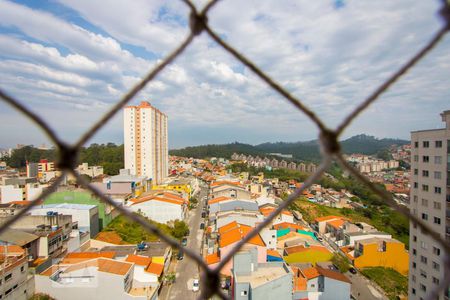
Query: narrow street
<point>186,269</point>
<point>363,289</point>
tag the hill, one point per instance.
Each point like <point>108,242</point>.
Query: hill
<point>308,151</point>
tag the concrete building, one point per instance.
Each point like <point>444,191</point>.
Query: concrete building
<point>320,283</point>
<point>146,147</point>
<point>161,207</point>
<point>429,201</point>
<point>255,280</point>
<point>15,283</point>
<point>85,215</point>
<point>98,278</point>
<point>91,171</point>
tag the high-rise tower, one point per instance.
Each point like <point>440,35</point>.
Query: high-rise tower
<point>430,201</point>
<point>145,142</point>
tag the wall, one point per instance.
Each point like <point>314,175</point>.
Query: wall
<point>312,256</point>
<point>394,257</point>
<point>159,211</point>
<point>335,290</point>
<point>9,193</point>
<point>280,288</point>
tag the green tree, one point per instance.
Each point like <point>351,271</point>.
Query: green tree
<point>180,229</point>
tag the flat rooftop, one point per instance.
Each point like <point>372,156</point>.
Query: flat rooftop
<point>263,275</point>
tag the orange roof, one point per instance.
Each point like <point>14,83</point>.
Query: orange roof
<point>287,225</point>
<point>218,199</point>
<point>155,268</point>
<point>164,197</point>
<point>113,266</point>
<point>237,234</point>
<point>327,218</point>
<point>212,258</point>
<point>139,260</point>
<point>268,210</point>
<point>23,203</point>
<point>109,237</point>
<point>301,248</point>
<point>336,223</point>
<point>273,253</point>
<point>76,257</point>
<point>218,183</point>
<point>228,227</point>
<point>310,273</point>
<point>11,249</point>
<point>333,274</point>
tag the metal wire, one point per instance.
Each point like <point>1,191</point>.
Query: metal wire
<point>68,154</point>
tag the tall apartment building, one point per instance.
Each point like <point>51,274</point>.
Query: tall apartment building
<point>430,201</point>
<point>146,148</point>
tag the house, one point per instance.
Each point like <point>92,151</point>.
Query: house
<point>249,218</point>
<point>381,252</point>
<point>97,278</point>
<point>229,189</point>
<point>229,235</point>
<point>350,238</point>
<point>14,273</point>
<point>284,216</point>
<point>161,207</point>
<point>120,192</point>
<point>320,283</point>
<point>253,279</point>
<point>336,230</point>
<point>306,253</point>
<point>86,216</point>
<point>233,205</point>
<point>139,184</point>
<point>320,223</point>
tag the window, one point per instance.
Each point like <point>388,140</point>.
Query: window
<point>438,144</point>
<point>438,160</point>
<point>416,185</point>
<point>437,190</point>
<point>244,293</point>
<point>413,278</point>
<point>423,274</point>
<point>435,281</point>
<point>416,144</point>
<point>414,251</point>
<point>415,198</point>
<point>425,158</point>
<point>423,245</point>
<point>437,220</point>
<point>436,251</point>
<point>423,288</point>
<point>425,173</point>
<point>413,290</point>
<point>416,158</point>
<point>8,277</point>
<point>437,175</point>
<point>426,144</point>
<point>425,187</point>
<point>436,205</point>
<point>425,202</point>
<point>22,269</point>
<point>416,171</point>
<point>424,216</point>
<point>414,238</point>
<point>423,259</point>
<point>414,265</point>
<point>436,266</point>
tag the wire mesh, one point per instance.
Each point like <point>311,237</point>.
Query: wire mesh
<point>330,147</point>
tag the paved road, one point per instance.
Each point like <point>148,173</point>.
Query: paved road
<point>186,269</point>
<point>362,288</point>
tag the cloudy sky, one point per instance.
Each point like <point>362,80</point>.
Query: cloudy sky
<point>70,60</point>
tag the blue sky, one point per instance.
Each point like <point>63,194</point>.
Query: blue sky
<point>70,60</point>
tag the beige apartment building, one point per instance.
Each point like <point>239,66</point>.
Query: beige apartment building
<point>430,201</point>
<point>145,142</point>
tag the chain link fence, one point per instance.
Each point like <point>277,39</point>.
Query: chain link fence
<point>330,148</point>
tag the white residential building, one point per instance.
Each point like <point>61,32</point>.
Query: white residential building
<point>145,142</point>
<point>429,201</point>
<point>161,207</point>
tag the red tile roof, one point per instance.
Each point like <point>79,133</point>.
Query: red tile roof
<point>76,257</point>
<point>139,260</point>
<point>155,268</point>
<point>212,258</point>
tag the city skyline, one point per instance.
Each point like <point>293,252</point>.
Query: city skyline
<point>70,62</point>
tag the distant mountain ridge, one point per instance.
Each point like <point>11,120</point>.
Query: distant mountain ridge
<point>308,150</point>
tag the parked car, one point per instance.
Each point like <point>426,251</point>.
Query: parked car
<point>184,242</point>
<point>202,225</point>
<point>180,255</point>
<point>352,270</point>
<point>195,285</point>
<point>204,214</point>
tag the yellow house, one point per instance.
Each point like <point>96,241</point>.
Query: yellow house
<point>381,252</point>
<point>178,185</point>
